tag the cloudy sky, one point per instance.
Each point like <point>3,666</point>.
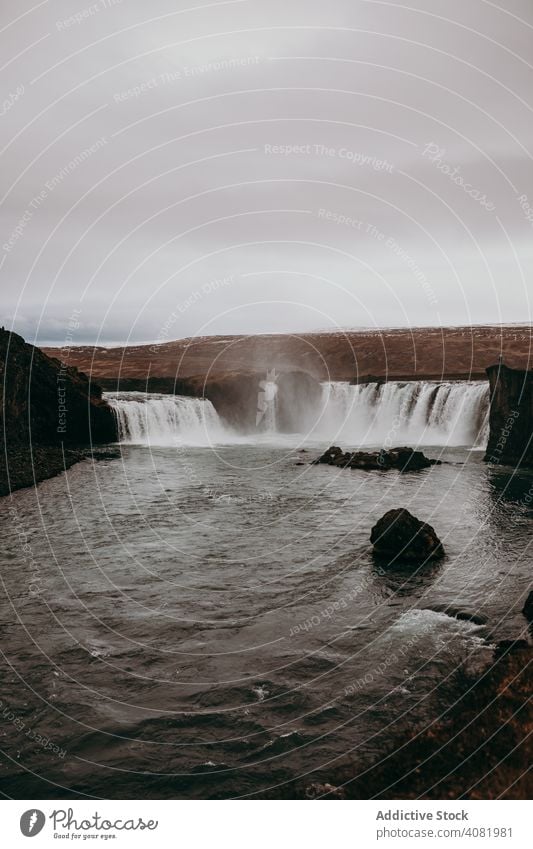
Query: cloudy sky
<point>263,166</point>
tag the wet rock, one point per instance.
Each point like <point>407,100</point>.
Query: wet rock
<point>527,609</point>
<point>511,416</point>
<point>208,767</point>
<point>332,457</point>
<point>399,537</point>
<point>324,791</point>
<point>506,646</point>
<point>403,459</point>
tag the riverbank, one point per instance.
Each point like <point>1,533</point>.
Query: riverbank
<point>27,466</point>
<point>478,749</point>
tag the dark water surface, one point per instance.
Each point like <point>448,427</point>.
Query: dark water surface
<point>195,622</point>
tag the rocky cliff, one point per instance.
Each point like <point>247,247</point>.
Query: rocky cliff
<point>511,416</point>
<point>47,402</point>
<point>46,409</point>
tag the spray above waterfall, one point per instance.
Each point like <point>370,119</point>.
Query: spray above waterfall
<point>266,417</point>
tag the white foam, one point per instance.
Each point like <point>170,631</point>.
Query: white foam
<point>413,413</point>
<point>155,419</point>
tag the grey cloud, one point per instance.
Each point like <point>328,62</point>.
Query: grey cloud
<point>179,187</point>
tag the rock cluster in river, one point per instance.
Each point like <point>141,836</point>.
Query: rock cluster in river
<point>403,459</point>
<point>399,537</point>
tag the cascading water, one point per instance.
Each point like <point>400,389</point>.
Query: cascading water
<point>415,413</point>
<point>154,419</point>
<point>372,414</point>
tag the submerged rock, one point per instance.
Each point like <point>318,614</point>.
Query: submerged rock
<point>400,537</point>
<point>404,459</point>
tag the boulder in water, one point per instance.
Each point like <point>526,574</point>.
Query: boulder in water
<point>334,456</point>
<point>399,537</point>
<point>403,459</point>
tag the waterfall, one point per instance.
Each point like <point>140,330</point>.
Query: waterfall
<point>381,415</point>
<point>154,419</point>
<point>415,413</point>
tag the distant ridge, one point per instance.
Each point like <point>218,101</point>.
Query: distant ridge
<point>457,353</point>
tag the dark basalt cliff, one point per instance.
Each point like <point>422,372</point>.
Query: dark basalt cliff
<point>46,402</point>
<point>511,416</point>
<point>45,406</point>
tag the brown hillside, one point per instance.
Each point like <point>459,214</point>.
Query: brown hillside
<point>460,352</point>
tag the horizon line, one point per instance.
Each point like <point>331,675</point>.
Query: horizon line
<point>317,332</point>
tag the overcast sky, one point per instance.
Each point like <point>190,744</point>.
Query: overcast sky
<point>188,168</point>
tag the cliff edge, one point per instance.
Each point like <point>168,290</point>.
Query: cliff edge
<point>47,410</point>
<point>511,416</point>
